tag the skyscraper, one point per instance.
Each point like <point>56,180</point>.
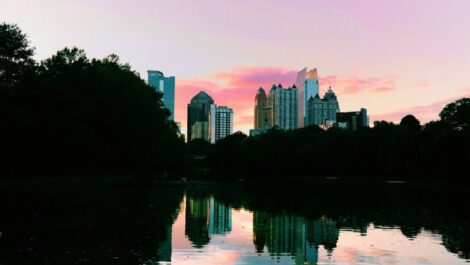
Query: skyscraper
<point>220,122</point>
<point>165,85</point>
<point>199,130</point>
<point>198,110</point>
<point>283,102</point>
<point>263,113</point>
<point>307,87</point>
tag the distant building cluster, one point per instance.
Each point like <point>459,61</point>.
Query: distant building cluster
<point>279,108</point>
<point>288,108</point>
<point>301,106</point>
<point>205,119</point>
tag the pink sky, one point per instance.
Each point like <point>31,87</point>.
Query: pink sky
<point>393,58</point>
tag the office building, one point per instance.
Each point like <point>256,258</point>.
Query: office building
<point>220,122</point>
<point>283,102</point>
<point>307,86</point>
<point>198,110</point>
<point>254,132</point>
<point>352,120</point>
<point>322,111</point>
<point>263,111</point>
<point>200,130</point>
<point>166,86</point>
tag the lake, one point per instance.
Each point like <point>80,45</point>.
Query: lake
<point>328,222</point>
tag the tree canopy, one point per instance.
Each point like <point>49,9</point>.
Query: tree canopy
<point>15,56</point>
<point>77,115</point>
<point>457,114</point>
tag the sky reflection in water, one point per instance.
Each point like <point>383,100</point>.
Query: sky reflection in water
<point>209,232</point>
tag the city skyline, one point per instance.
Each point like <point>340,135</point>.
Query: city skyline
<point>394,59</point>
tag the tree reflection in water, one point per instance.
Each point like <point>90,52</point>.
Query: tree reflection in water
<point>127,224</point>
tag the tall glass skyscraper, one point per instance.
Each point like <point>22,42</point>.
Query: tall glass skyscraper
<point>165,85</point>
<point>307,87</point>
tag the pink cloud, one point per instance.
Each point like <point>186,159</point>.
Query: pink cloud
<point>350,85</point>
<point>240,99</point>
<point>421,84</point>
<point>257,76</point>
<point>237,89</point>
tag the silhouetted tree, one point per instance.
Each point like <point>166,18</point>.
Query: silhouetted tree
<point>457,114</point>
<point>82,116</point>
<point>410,121</point>
<point>16,61</point>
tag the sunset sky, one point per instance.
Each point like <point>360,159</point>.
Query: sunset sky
<point>391,57</point>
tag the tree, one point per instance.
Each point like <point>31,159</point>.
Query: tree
<point>410,121</point>
<point>15,57</point>
<point>88,116</point>
<point>457,114</point>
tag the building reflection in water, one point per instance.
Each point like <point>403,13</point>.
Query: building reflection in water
<point>164,251</point>
<point>293,235</point>
<point>206,217</point>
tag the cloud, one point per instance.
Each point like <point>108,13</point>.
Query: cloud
<point>255,77</point>
<point>355,84</point>
<point>237,89</point>
<point>240,99</point>
<point>420,84</point>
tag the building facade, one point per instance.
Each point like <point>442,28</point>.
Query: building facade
<point>165,85</point>
<point>283,102</point>
<point>322,111</point>
<point>307,87</point>
<point>353,120</point>
<point>198,110</point>
<point>200,130</point>
<point>220,122</point>
<point>263,111</point>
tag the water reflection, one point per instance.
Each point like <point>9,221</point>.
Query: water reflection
<point>234,224</point>
<point>293,235</point>
<point>385,232</point>
<point>206,217</point>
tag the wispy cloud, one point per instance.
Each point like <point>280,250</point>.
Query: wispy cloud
<point>256,77</point>
<point>237,89</point>
<point>420,84</point>
<point>424,113</point>
<point>356,84</point>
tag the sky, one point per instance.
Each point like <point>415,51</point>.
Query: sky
<point>392,57</point>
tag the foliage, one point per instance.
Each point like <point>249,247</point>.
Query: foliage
<point>15,57</point>
<point>457,114</point>
<point>78,116</point>
<point>408,150</point>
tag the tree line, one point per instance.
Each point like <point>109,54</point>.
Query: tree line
<point>438,149</point>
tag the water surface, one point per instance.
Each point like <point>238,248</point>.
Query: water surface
<point>234,223</point>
